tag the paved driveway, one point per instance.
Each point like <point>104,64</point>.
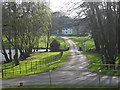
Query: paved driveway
<point>75,71</point>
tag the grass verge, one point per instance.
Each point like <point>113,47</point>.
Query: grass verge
<point>62,42</point>
<point>33,64</point>
<point>37,62</point>
<point>63,87</point>
<point>95,58</point>
<point>96,65</point>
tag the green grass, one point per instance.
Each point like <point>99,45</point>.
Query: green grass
<point>36,63</point>
<point>94,60</point>
<point>62,42</point>
<point>42,41</point>
<point>25,65</point>
<point>94,66</point>
<point>79,40</point>
<point>85,42</point>
<point>35,60</point>
<point>118,59</point>
<point>63,87</point>
<point>94,57</point>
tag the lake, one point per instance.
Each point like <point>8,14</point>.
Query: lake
<point>2,58</point>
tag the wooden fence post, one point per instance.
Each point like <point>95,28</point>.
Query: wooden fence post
<point>44,63</point>
<point>118,78</point>
<point>13,69</point>
<point>31,66</point>
<point>26,66</point>
<point>36,65</point>
<point>5,70</point>
<point>39,64</point>
<point>20,68</point>
<point>2,73</point>
<point>99,76</point>
<point>50,77</point>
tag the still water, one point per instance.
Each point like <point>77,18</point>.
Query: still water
<point>2,58</point>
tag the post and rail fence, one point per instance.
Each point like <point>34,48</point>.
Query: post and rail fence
<point>29,67</point>
<point>112,70</point>
<point>107,72</point>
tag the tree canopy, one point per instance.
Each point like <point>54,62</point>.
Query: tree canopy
<point>23,24</point>
<point>103,20</point>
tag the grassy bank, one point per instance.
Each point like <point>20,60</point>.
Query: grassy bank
<point>28,66</point>
<point>95,58</point>
<point>85,42</point>
<point>62,42</point>
<point>37,62</point>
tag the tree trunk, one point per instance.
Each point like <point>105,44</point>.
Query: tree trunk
<point>119,28</point>
<point>16,57</point>
<point>5,54</point>
<point>10,53</point>
<point>15,37</point>
<point>48,39</point>
<point>97,45</point>
<point>16,49</point>
<point>22,54</point>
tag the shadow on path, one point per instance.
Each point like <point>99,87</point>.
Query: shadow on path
<point>75,71</point>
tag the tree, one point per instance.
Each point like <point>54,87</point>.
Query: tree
<point>118,27</point>
<point>60,21</point>
<point>24,25</point>
<point>102,17</point>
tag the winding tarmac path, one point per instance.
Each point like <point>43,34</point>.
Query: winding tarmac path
<point>75,71</point>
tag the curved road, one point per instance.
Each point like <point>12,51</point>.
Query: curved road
<point>73,72</point>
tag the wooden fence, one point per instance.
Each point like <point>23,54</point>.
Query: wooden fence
<point>30,67</point>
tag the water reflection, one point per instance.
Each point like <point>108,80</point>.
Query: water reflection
<point>2,58</point>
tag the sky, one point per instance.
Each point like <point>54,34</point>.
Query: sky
<point>57,5</point>
<point>62,5</point>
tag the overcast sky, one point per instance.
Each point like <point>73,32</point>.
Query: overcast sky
<point>57,5</point>
<point>63,5</point>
